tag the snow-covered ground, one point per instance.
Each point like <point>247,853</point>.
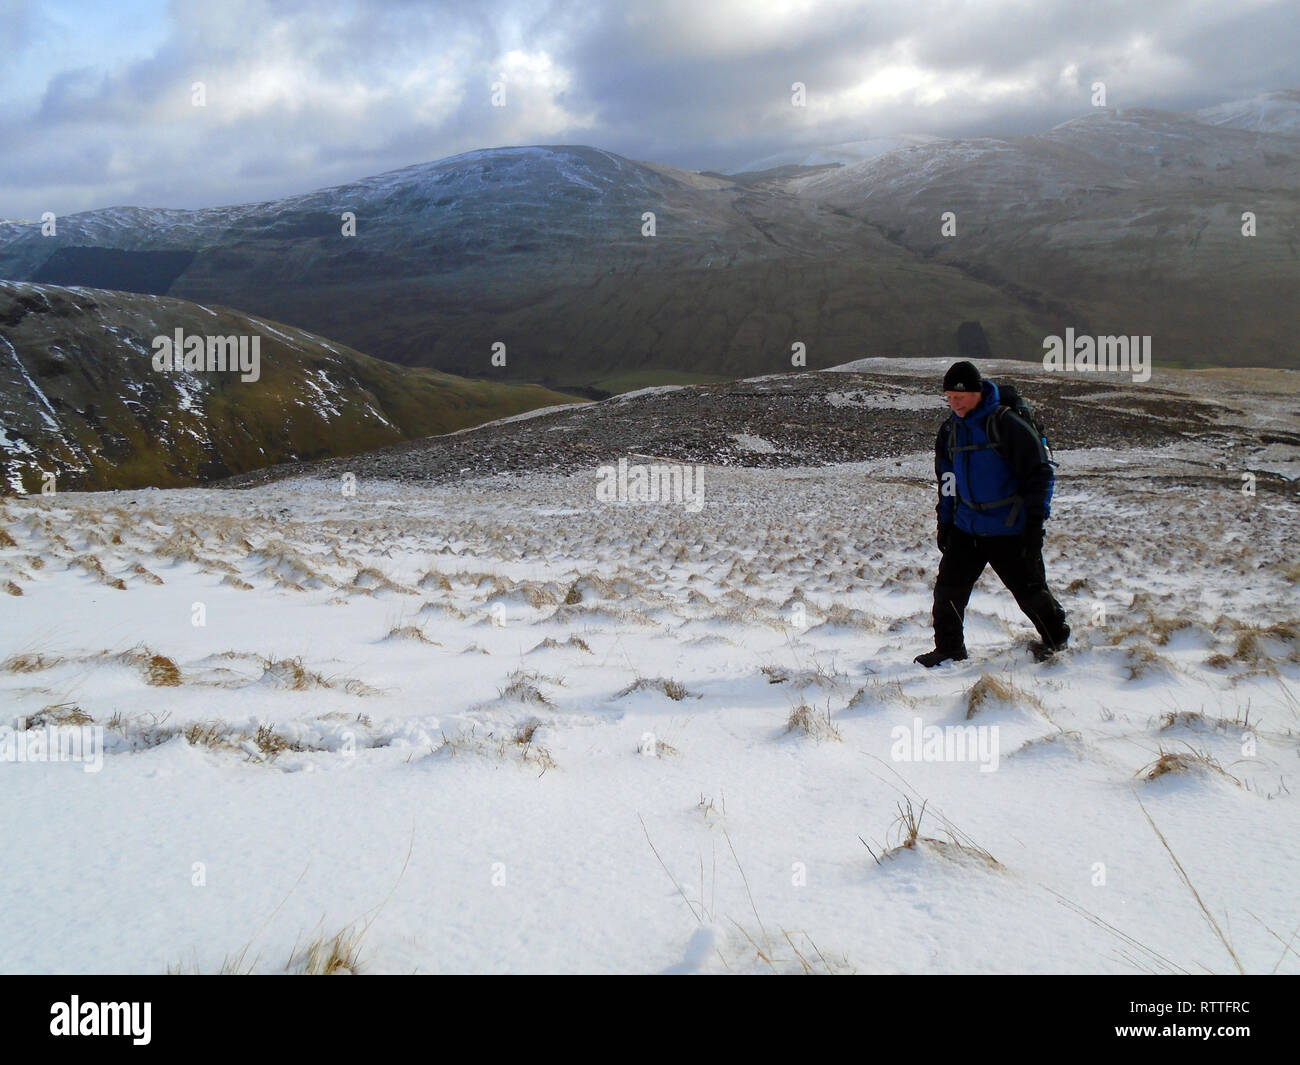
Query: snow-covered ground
<point>501,726</point>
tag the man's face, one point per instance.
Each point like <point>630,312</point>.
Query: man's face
<point>962,403</point>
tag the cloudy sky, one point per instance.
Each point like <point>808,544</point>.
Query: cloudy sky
<point>97,99</point>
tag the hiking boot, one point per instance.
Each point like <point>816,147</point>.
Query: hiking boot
<point>933,658</point>
<point>1042,651</point>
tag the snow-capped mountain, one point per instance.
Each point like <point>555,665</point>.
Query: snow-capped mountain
<point>1270,112</point>
<point>842,153</point>
<point>1123,222</point>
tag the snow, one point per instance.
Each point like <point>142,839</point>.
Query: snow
<point>47,413</point>
<point>887,400</point>
<point>755,443</point>
<point>403,641</point>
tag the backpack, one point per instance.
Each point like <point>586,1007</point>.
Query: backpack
<point>1010,403</point>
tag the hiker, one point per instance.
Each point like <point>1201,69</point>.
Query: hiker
<point>994,496</point>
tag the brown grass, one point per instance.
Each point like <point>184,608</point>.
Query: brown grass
<point>29,663</point>
<point>671,688</point>
<point>337,955</point>
<point>162,672</point>
<point>817,724</point>
<point>59,714</point>
<point>990,689</point>
<point>1189,761</point>
<point>906,830</point>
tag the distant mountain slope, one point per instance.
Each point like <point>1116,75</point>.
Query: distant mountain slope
<point>1129,222</point>
<point>541,248</point>
<point>80,395</point>
<point>844,153</point>
<point>1118,222</point>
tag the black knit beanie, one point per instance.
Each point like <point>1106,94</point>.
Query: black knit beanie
<point>962,377</point>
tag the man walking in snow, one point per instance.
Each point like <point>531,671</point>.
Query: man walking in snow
<point>995,493</point>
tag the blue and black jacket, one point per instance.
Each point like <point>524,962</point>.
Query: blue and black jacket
<point>995,495</point>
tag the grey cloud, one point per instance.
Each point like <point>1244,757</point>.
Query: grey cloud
<point>640,85</point>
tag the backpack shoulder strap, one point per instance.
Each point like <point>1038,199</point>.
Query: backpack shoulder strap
<point>996,437</point>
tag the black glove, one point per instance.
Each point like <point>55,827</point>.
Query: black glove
<point>945,534</point>
<point>1031,540</point>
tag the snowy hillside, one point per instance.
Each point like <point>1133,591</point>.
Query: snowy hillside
<point>498,724</point>
<point>843,153</point>
<point>1270,112</point>
<point>85,399</point>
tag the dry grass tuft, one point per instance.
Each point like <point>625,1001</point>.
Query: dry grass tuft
<point>989,689</point>
<point>671,688</point>
<point>410,632</point>
<point>270,742</point>
<point>212,734</point>
<point>29,663</point>
<point>434,579</point>
<point>511,748</point>
<point>1189,761</point>
<point>147,576</point>
<point>803,718</point>
<point>59,714</point>
<point>1143,660</point>
<point>521,688</point>
<point>339,955</point>
<point>906,830</point>
<point>573,641</point>
<point>12,589</point>
<point>162,672</point>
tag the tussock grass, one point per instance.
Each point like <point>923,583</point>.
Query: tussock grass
<point>12,589</point>
<point>1197,721</point>
<point>658,747</point>
<point>142,731</point>
<point>434,579</point>
<point>906,833</point>
<point>410,632</point>
<point>1143,661</point>
<point>59,714</point>
<point>840,616</point>
<point>370,580</point>
<point>511,748</point>
<point>1189,761</point>
<point>1162,628</point>
<point>878,693</point>
<point>162,672</point>
<point>523,690</point>
<point>550,643</point>
<point>92,565</point>
<point>211,734</point>
<point>817,724</point>
<point>292,674</point>
<point>989,690</point>
<point>670,688</point>
<point>148,576</point>
<point>335,955</point>
<point>432,607</point>
<point>29,662</point>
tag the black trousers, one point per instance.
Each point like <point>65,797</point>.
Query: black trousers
<point>1025,578</point>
